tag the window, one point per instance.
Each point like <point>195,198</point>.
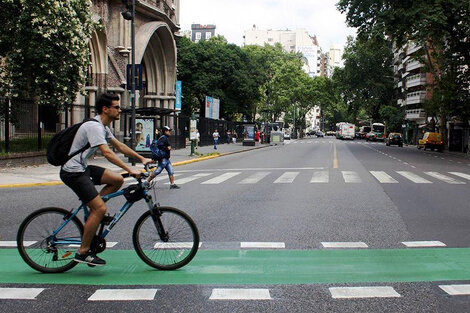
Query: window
<point>208,35</point>
<point>198,36</point>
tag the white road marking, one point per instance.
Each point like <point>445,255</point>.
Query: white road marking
<point>20,293</point>
<point>363,292</point>
<point>383,177</point>
<point>175,245</point>
<point>188,179</point>
<point>456,290</point>
<point>423,244</point>
<point>351,177</point>
<point>109,244</point>
<point>444,178</point>
<point>256,177</point>
<point>255,169</point>
<point>240,294</point>
<point>466,176</point>
<point>286,178</point>
<point>320,177</point>
<point>12,244</point>
<point>262,245</point>
<point>413,177</point>
<point>344,245</point>
<point>123,294</point>
<point>221,178</point>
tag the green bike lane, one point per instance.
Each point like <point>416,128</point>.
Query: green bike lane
<point>252,267</point>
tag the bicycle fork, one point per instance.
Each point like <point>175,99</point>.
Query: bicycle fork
<point>155,214</point>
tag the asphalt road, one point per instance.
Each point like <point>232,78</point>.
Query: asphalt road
<point>302,197</point>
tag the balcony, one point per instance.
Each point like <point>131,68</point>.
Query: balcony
<point>415,97</point>
<point>412,48</point>
<point>413,64</point>
<point>416,80</point>
<point>415,114</point>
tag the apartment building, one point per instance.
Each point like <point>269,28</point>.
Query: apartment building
<point>413,86</point>
<point>334,59</point>
<point>202,32</point>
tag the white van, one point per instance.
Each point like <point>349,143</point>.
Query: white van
<point>347,131</point>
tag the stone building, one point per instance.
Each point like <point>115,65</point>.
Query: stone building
<point>156,21</point>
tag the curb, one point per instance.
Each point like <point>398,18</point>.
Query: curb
<point>56,183</point>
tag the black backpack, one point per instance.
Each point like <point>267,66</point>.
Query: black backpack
<point>59,146</point>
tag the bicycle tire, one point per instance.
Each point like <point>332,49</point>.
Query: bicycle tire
<point>37,255</point>
<point>178,251</point>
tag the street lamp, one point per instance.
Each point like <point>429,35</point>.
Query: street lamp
<point>129,15</point>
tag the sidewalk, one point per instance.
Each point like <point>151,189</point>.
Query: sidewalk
<point>48,175</point>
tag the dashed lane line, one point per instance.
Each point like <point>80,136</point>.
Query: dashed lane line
<point>123,295</point>
<point>363,292</point>
<point>240,294</point>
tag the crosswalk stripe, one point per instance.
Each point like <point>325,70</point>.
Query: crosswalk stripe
<point>456,290</point>
<point>253,179</point>
<point>320,177</point>
<point>191,178</point>
<point>286,178</point>
<point>344,245</point>
<point>466,176</point>
<point>423,244</point>
<point>123,294</point>
<point>413,177</point>
<point>363,292</point>
<point>12,244</point>
<point>444,178</point>
<point>383,177</point>
<point>221,178</point>
<point>20,293</point>
<point>240,294</point>
<point>351,177</point>
<point>262,245</point>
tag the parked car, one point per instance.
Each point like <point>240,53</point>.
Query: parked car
<point>431,141</point>
<point>330,133</point>
<point>371,136</point>
<point>394,139</point>
<point>319,134</point>
<point>286,136</point>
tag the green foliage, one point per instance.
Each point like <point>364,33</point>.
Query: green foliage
<point>393,118</point>
<point>44,48</point>
<point>366,81</point>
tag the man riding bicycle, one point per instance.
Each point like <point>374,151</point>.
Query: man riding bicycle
<point>82,178</point>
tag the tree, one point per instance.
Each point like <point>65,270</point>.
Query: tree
<point>366,81</point>
<point>44,48</point>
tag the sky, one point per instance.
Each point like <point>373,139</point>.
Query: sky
<point>233,17</point>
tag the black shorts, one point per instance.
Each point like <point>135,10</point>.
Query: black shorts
<point>83,183</point>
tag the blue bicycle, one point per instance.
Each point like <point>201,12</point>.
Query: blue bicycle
<point>165,238</point>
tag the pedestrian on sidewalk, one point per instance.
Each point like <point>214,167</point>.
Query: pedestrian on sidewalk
<point>82,178</point>
<point>198,136</point>
<point>216,137</point>
<point>234,136</point>
<point>229,136</point>
<point>164,163</point>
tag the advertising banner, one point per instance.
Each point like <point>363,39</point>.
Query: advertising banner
<point>179,85</point>
<point>212,107</point>
<point>144,133</point>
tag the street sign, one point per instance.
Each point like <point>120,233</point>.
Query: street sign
<point>138,76</point>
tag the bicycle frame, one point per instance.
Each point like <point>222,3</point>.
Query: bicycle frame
<point>115,220</point>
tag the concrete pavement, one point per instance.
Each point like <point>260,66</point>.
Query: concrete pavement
<point>47,175</point>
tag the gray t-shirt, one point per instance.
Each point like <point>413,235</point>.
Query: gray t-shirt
<point>96,134</point>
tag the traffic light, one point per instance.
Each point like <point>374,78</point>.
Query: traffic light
<point>127,14</point>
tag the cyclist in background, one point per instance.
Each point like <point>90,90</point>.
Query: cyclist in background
<point>82,178</point>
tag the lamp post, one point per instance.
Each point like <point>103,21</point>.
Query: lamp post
<point>129,15</point>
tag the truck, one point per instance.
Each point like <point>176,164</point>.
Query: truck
<point>345,130</point>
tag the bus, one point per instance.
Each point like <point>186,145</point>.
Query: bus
<point>379,131</point>
<point>363,130</point>
<point>345,130</point>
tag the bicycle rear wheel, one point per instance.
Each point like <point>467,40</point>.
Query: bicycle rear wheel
<point>179,246</point>
<point>36,244</point>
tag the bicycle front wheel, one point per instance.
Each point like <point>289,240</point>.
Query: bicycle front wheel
<point>39,249</point>
<point>173,248</point>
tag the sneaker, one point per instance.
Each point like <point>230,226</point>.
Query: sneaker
<point>174,186</point>
<point>89,258</point>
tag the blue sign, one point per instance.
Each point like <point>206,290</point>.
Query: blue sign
<point>137,76</point>
<point>179,86</point>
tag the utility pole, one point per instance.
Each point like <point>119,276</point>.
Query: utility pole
<point>129,15</point>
